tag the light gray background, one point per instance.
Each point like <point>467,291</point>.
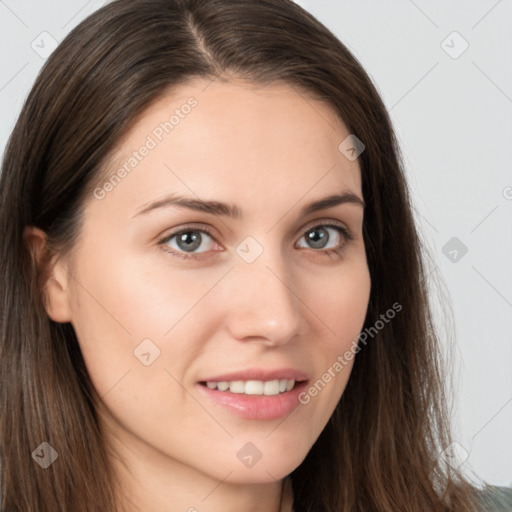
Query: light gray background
<point>452,114</point>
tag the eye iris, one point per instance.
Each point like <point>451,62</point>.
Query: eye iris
<point>189,240</point>
<point>318,237</point>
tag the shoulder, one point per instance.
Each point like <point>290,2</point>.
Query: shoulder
<point>495,499</point>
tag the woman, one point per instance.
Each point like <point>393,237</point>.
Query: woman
<point>214,293</point>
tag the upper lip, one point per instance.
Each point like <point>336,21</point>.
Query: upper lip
<point>260,374</point>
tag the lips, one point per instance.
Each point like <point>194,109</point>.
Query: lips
<point>256,393</point>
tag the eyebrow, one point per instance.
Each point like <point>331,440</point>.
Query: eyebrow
<point>227,210</point>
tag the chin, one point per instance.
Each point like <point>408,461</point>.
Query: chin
<point>265,460</point>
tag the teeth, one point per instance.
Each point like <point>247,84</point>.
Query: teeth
<point>237,386</point>
<point>271,387</point>
<point>254,387</point>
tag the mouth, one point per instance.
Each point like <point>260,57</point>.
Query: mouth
<point>252,387</point>
<point>256,394</point>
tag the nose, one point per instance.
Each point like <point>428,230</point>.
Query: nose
<point>264,305</point>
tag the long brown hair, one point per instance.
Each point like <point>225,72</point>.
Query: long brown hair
<point>380,449</point>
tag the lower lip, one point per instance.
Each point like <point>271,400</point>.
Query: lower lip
<point>257,407</point>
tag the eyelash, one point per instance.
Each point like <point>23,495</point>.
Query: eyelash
<point>337,251</point>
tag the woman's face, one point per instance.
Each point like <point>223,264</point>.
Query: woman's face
<point>212,262</point>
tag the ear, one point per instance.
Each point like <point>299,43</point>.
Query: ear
<point>53,275</point>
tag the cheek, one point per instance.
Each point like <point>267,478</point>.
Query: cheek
<point>124,307</point>
<point>340,300</point>
<point>153,296</point>
<point>340,303</point>
<point>144,297</point>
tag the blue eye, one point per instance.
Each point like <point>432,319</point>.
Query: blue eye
<point>189,240</point>
<point>326,237</point>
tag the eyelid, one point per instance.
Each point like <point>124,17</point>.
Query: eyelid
<point>329,223</point>
<point>188,227</point>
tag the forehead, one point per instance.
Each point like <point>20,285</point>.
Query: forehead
<point>233,138</point>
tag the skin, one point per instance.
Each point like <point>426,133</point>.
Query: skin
<point>270,151</point>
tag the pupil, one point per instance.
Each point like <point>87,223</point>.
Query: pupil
<point>189,241</point>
